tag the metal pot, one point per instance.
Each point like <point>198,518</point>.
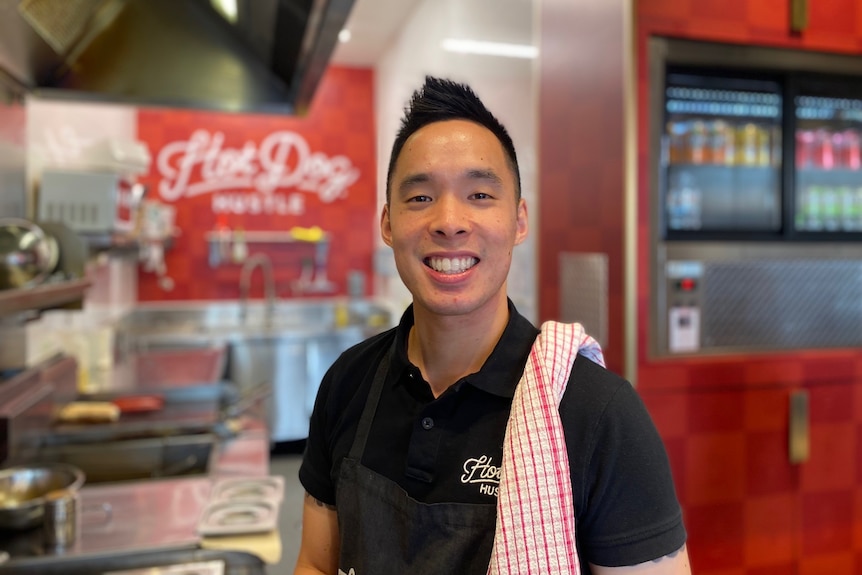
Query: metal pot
<point>27,254</point>
<point>24,490</point>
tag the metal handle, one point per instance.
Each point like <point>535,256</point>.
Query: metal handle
<point>798,444</point>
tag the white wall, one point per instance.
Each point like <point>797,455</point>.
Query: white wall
<point>58,133</point>
<point>506,86</point>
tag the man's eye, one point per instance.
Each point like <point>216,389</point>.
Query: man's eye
<point>482,196</point>
<point>419,199</point>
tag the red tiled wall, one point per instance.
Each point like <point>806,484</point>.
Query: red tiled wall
<point>340,122</point>
<point>581,149</point>
<point>749,511</point>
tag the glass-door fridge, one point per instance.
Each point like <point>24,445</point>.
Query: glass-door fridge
<point>721,154</point>
<point>827,183</point>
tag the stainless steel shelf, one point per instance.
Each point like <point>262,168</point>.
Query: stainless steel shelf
<point>42,297</point>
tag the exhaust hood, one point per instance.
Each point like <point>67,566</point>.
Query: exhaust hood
<point>179,53</point>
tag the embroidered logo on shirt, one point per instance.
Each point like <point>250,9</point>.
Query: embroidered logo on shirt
<point>484,473</point>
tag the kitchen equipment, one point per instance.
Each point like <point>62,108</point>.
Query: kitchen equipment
<point>24,490</point>
<point>269,488</point>
<point>27,254</point>
<point>60,523</point>
<point>139,403</point>
<point>89,202</point>
<point>239,517</point>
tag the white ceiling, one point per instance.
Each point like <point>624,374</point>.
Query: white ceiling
<point>372,24</point>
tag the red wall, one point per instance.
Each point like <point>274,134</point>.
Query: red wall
<point>748,509</point>
<point>724,420</point>
<point>339,131</point>
<point>581,150</point>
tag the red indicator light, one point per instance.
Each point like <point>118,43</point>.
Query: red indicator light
<point>687,284</point>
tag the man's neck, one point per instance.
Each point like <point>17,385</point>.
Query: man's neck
<point>445,349</point>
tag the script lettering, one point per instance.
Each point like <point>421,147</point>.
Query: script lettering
<point>203,164</point>
<point>480,470</point>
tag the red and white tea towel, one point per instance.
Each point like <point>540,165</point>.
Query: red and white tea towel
<point>535,531</point>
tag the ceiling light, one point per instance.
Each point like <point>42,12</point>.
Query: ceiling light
<point>344,36</point>
<point>490,48</point>
<point>227,8</point>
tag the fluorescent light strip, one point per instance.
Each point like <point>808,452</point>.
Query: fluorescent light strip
<point>490,48</point>
<point>227,8</point>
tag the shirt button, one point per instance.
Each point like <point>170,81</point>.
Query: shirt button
<point>427,423</point>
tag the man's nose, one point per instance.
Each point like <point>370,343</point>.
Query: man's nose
<point>450,217</point>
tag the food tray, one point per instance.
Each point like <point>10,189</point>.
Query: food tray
<point>266,488</point>
<point>238,517</point>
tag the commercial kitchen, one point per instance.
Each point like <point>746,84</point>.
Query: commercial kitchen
<point>189,198</point>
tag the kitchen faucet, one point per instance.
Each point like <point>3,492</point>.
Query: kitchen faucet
<point>262,261</point>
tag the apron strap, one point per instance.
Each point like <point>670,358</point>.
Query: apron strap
<point>364,428</point>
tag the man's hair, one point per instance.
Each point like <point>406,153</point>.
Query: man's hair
<point>439,100</point>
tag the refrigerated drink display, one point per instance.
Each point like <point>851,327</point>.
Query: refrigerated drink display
<point>828,165</point>
<point>722,154</point>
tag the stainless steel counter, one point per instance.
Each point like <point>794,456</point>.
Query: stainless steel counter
<point>142,516</point>
<point>149,515</point>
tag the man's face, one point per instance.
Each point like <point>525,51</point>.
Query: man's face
<point>452,219</point>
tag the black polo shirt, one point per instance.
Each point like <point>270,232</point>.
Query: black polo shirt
<point>449,449</point>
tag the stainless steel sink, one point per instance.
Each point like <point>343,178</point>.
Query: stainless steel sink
<point>217,317</point>
<point>288,347</point>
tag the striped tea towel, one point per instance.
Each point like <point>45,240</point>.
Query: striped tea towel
<point>535,531</point>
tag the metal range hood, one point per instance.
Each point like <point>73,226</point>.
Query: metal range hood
<point>179,53</point>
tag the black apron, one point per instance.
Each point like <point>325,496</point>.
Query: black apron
<point>384,531</point>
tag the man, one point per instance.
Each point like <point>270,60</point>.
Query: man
<point>405,446</point>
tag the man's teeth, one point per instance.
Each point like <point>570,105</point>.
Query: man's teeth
<point>452,265</point>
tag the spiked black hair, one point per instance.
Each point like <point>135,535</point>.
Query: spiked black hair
<point>439,100</point>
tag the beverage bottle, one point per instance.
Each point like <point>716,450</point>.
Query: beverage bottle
<point>718,142</point>
<point>746,145</point>
<point>678,134</point>
<point>839,150</point>
<point>689,203</point>
<point>853,161</point>
<point>829,208</point>
<point>812,208</point>
<point>763,146</point>
<point>824,157</point>
<point>729,144</point>
<point>698,142</point>
<point>804,148</point>
<point>846,199</point>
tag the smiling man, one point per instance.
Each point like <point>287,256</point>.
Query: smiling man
<point>405,455</point>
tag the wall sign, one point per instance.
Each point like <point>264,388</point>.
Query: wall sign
<point>203,164</point>
<point>260,176</point>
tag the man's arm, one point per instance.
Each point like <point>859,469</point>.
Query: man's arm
<point>674,564</point>
<point>318,552</point>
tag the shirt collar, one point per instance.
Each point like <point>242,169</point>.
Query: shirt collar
<point>501,371</point>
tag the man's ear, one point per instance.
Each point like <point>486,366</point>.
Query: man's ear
<point>385,226</point>
<point>523,227</point>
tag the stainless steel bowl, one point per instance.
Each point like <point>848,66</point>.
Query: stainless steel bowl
<point>27,254</point>
<point>23,489</point>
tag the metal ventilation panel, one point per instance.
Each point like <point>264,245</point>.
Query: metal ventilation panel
<point>61,23</point>
<point>778,304</point>
<point>584,292</point>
